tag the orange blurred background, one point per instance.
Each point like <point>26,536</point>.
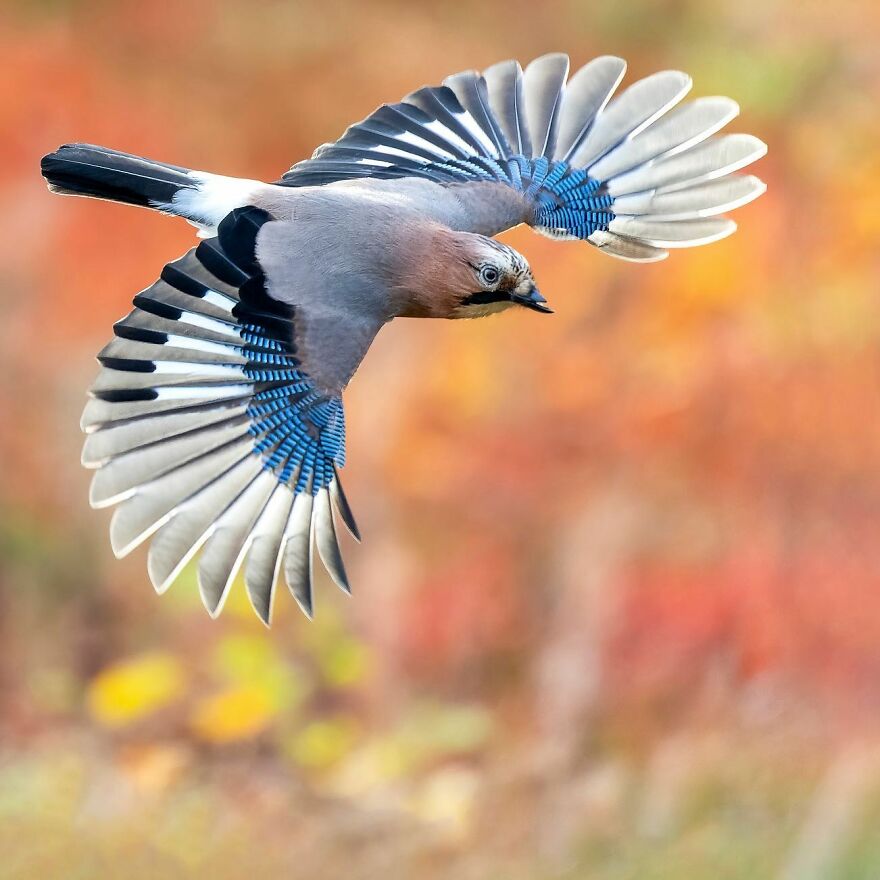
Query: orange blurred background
<point>617,610</point>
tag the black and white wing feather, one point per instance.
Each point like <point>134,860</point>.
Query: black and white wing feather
<point>208,433</point>
<point>634,174</point>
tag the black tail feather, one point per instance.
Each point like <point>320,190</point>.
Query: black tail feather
<point>88,170</point>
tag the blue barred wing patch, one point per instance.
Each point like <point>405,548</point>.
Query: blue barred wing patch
<point>208,434</point>
<point>633,173</point>
<point>393,142</point>
<point>450,134</point>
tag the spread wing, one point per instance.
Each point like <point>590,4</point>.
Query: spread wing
<point>210,432</point>
<point>633,174</point>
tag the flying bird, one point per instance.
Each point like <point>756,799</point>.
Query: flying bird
<point>216,421</point>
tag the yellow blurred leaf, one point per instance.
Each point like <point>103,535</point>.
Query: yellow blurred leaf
<point>322,743</point>
<point>236,713</point>
<point>135,688</point>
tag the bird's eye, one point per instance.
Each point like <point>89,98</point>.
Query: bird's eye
<point>489,275</point>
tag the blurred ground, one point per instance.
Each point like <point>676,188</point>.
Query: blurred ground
<point>617,612</point>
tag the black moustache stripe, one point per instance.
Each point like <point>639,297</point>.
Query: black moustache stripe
<point>484,297</point>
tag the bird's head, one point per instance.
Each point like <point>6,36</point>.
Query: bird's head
<point>449,274</point>
<point>493,278</point>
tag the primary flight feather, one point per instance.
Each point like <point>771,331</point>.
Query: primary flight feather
<point>216,422</point>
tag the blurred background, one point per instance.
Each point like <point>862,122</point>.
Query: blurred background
<point>617,613</point>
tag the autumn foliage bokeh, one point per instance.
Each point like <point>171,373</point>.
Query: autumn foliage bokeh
<point>617,610</point>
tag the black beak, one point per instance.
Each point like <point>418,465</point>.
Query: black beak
<point>532,300</point>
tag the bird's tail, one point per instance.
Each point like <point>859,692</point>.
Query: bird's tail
<point>101,173</point>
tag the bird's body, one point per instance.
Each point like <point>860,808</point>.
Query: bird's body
<point>216,422</point>
<point>393,235</point>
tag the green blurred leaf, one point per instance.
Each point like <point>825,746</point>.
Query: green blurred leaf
<point>436,729</point>
<point>255,662</point>
<point>323,743</point>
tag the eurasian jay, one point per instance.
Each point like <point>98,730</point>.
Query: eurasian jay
<point>216,421</point>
